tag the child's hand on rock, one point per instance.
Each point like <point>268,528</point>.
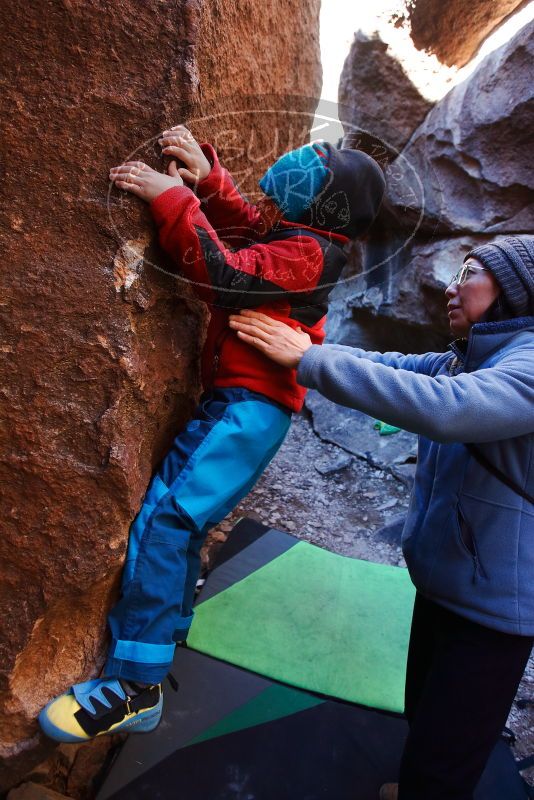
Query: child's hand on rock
<point>179,142</point>
<point>143,181</point>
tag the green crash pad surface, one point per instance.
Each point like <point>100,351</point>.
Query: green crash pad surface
<point>323,622</point>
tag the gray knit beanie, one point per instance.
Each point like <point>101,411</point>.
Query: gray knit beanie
<point>512,262</point>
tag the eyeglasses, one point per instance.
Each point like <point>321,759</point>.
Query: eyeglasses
<point>463,273</point>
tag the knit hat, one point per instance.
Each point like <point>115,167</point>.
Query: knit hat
<point>511,261</point>
<point>296,178</point>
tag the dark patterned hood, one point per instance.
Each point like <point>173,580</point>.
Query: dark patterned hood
<point>352,194</point>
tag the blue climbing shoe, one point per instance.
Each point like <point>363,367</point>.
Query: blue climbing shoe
<point>98,707</point>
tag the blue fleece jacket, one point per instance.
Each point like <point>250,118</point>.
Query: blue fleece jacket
<point>468,539</point>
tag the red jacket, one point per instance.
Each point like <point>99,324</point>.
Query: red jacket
<point>283,269</point>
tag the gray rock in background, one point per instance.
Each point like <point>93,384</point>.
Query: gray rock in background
<point>401,305</point>
<point>473,152</point>
<point>464,178</point>
<point>377,99</point>
<point>354,432</point>
<point>415,293</point>
<point>392,531</point>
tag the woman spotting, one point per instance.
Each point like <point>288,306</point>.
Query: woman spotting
<point>468,539</point>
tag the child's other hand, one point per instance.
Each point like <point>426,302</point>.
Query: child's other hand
<point>143,181</point>
<point>179,142</point>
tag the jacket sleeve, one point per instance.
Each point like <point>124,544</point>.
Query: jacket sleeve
<point>244,278</point>
<point>481,406</point>
<point>425,363</point>
<point>235,219</point>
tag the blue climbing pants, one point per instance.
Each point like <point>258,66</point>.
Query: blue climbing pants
<point>210,467</point>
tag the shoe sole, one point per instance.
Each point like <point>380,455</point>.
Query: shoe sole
<point>142,722</point>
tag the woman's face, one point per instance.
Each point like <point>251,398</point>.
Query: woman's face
<point>468,301</point>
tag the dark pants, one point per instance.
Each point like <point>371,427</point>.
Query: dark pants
<point>461,681</point>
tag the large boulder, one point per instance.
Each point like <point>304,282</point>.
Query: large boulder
<point>464,178</point>
<point>454,31</point>
<point>100,355</point>
<point>402,308</point>
<point>473,152</point>
<point>378,104</point>
<point>405,308</point>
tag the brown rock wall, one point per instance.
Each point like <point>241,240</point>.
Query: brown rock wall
<point>454,31</point>
<point>259,80</point>
<point>88,395</point>
<point>33,791</point>
<point>100,355</point>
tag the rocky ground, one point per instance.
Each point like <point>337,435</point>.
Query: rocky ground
<point>319,492</point>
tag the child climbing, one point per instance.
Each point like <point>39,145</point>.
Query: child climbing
<point>282,256</point>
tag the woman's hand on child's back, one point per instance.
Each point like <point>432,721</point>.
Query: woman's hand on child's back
<point>180,142</point>
<point>143,181</point>
<point>277,340</point>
